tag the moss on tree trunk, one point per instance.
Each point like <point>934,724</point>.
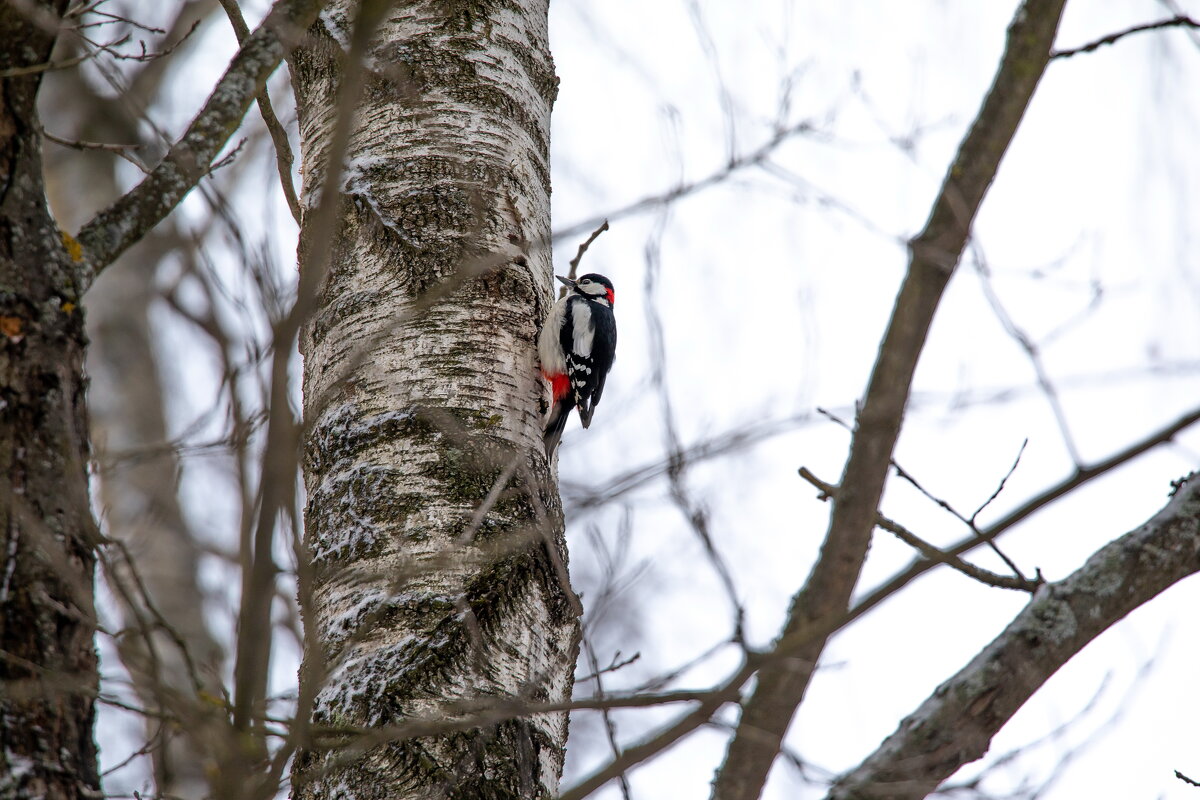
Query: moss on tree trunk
<point>420,402</point>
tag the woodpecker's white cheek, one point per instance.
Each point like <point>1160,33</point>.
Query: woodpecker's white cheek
<point>584,329</point>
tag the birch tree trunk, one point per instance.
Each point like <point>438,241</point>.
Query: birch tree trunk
<point>433,523</point>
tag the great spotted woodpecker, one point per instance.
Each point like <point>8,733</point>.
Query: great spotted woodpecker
<point>576,345</point>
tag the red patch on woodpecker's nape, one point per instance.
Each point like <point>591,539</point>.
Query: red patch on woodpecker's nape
<point>559,385</point>
<point>612,298</point>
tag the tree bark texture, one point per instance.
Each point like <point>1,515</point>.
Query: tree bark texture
<point>419,402</point>
<point>48,677</point>
<point>934,255</point>
<point>956,724</point>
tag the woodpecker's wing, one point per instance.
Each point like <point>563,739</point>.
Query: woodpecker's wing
<point>592,334</point>
<point>604,349</point>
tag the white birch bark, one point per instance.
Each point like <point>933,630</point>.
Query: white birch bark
<point>414,409</point>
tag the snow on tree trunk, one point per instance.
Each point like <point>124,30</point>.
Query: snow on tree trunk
<point>414,406</point>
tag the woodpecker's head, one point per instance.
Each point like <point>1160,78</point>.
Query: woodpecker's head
<point>591,286</point>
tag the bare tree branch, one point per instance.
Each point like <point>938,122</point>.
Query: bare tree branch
<point>113,230</point>
<point>928,550</point>
<point>934,254</point>
<point>956,724</point>
<point>1186,779</point>
<point>1034,504</point>
<point>610,727</point>
<point>1032,352</point>
<point>281,456</point>
<point>283,148</point>
<point>583,248</point>
<point>664,737</point>
<point>1180,21</point>
<point>586,497</point>
<point>1001,485</point>
<point>754,158</point>
<point>947,506</point>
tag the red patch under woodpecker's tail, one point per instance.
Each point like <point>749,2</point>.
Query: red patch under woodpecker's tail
<point>560,409</point>
<point>559,386</point>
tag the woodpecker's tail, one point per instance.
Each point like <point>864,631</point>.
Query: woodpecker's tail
<point>555,425</point>
<point>586,409</point>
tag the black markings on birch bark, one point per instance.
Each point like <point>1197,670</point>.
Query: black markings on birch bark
<point>421,393</point>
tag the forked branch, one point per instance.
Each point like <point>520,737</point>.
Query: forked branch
<point>956,724</point>
<point>119,226</point>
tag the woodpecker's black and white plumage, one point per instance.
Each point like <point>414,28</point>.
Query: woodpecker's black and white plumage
<point>576,346</point>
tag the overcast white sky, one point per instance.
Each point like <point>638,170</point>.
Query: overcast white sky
<point>773,289</point>
<point>773,296</point>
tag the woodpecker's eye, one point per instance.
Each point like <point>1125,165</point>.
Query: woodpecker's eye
<point>585,280</point>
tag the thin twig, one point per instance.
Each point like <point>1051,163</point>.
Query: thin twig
<point>610,727</point>
<point>1032,352</point>
<point>1180,21</point>
<point>1186,779</point>
<point>930,551</point>
<point>283,148</point>
<point>733,165</point>
<point>617,663</point>
<point>1003,481</point>
<point>481,511</point>
<point>33,69</point>
<point>117,227</point>
<point>588,497</point>
<point>695,513</point>
<point>1032,506</point>
<point>944,504</point>
<point>121,150</point>
<point>110,48</point>
<point>579,256</point>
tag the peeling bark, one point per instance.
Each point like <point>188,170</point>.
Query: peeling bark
<point>48,677</point>
<point>956,724</point>
<point>417,402</point>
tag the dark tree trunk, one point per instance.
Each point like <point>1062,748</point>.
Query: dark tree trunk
<point>48,677</point>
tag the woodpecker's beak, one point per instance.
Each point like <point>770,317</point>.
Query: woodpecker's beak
<point>567,281</point>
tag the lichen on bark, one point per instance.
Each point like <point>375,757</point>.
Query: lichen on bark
<point>419,401</point>
<point>47,620</point>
